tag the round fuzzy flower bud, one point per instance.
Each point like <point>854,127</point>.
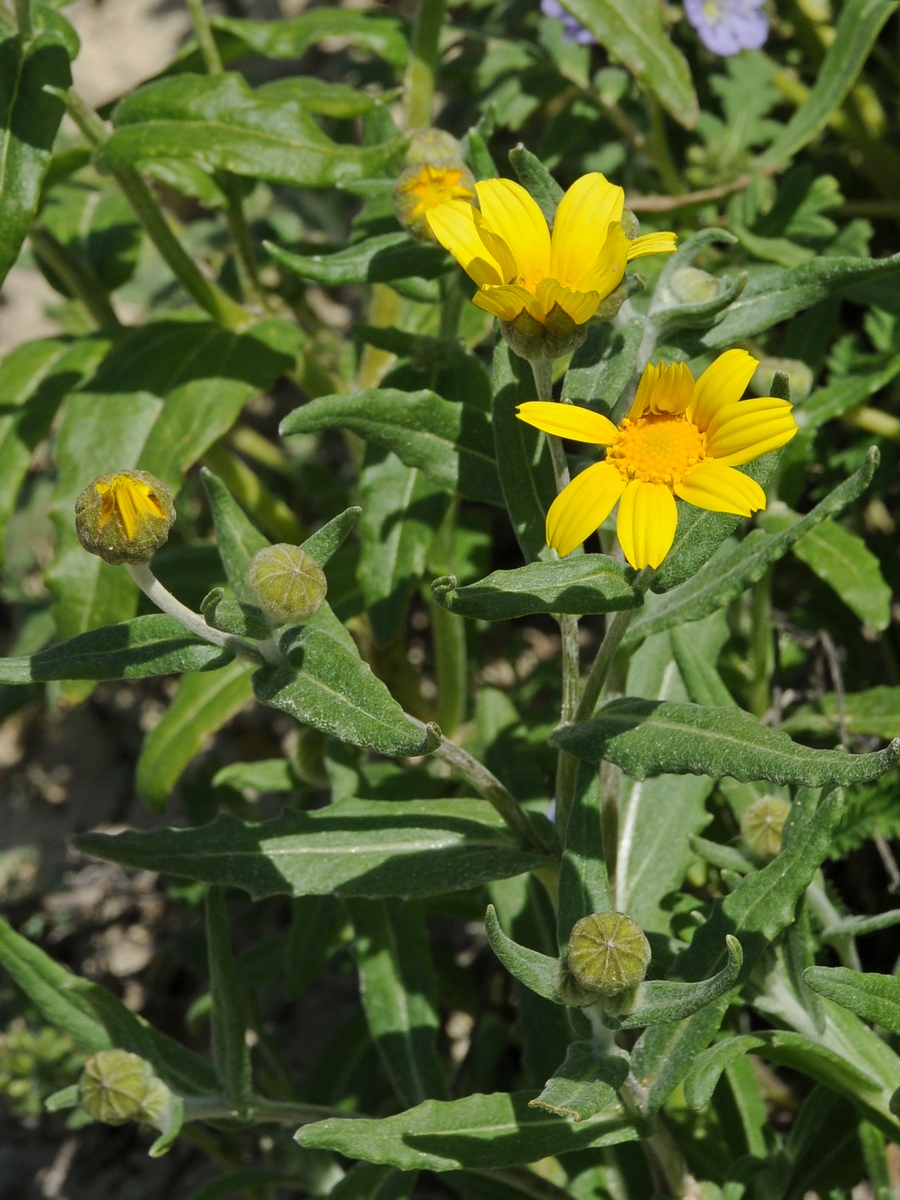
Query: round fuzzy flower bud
<point>115,1087</point>
<point>434,146</point>
<point>287,583</point>
<point>762,824</point>
<point>690,285</point>
<point>124,517</point>
<point>608,953</point>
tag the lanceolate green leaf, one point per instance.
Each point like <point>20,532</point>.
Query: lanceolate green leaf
<point>222,124</point>
<point>482,1131</point>
<point>398,987</point>
<point>775,295</point>
<point>382,35</point>
<point>873,713</point>
<point>860,23</point>
<point>732,571</point>
<point>231,1053</point>
<point>370,848</point>
<point>152,645</point>
<point>34,378</point>
<point>588,583</point>
<point>30,114</point>
<point>237,537</point>
<point>647,737</point>
<point>376,260</point>
<point>845,563</point>
<point>202,705</point>
<point>449,442</point>
<point>633,33</point>
<point>874,997</point>
<point>328,686</point>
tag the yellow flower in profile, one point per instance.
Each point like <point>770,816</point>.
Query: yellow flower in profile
<point>508,250</point>
<point>680,438</point>
<point>125,516</point>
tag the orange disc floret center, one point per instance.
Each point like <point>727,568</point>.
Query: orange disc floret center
<point>657,448</point>
<point>436,185</point>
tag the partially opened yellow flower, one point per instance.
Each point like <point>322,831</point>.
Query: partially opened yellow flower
<point>422,188</point>
<point>680,438</point>
<point>508,250</point>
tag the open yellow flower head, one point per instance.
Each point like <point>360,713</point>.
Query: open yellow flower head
<point>680,438</point>
<point>543,287</point>
<point>124,517</point>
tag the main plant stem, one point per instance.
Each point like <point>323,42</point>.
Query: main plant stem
<point>423,62</point>
<point>208,295</point>
<point>23,19</point>
<point>208,48</point>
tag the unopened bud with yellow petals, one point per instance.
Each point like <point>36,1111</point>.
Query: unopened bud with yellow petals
<point>124,517</point>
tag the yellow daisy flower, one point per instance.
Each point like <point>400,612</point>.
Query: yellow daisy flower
<point>508,250</point>
<point>429,186</point>
<point>680,438</point>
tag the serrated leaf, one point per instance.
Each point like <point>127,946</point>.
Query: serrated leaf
<point>648,737</point>
<point>846,564</point>
<point>449,442</point>
<point>328,686</point>
<point>858,27</point>
<point>379,259</point>
<point>633,33</point>
<point>136,649</point>
<point>222,124</point>
<point>32,74</point>
<point>370,848</point>
<point>773,296</point>
<point>589,583</point>
<point>729,573</point>
<point>201,706</point>
<point>398,988</point>
<point>483,1131</point>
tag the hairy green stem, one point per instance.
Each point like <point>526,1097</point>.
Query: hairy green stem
<point>448,630</point>
<point>23,19</point>
<point>759,696</point>
<point>208,48</point>
<point>662,151</point>
<point>78,277</point>
<point>423,62</point>
<point>488,786</point>
<point>208,295</point>
<point>608,649</point>
<point>242,243</point>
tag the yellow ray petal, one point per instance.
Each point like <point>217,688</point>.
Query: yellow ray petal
<point>582,506</point>
<point>580,306</point>
<point>567,421</point>
<point>134,500</point>
<point>721,489</point>
<point>584,213</point>
<point>507,301</point>
<point>456,225</point>
<point>651,243</point>
<point>646,523</point>
<point>723,382</point>
<point>510,212</point>
<point>745,430</point>
<point>608,268</point>
<point>672,391</point>
<point>641,401</point>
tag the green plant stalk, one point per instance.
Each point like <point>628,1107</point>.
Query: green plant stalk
<point>242,243</point>
<point>610,797</point>
<point>172,606</point>
<point>662,151</point>
<point>423,62</point>
<point>23,19</point>
<point>259,1111</point>
<point>208,48</point>
<point>247,440</point>
<point>78,277</point>
<point>208,295</point>
<point>271,514</point>
<point>448,631</point>
<point>759,696</point>
<point>452,301</point>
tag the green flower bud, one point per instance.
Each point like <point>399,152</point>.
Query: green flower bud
<point>762,824</point>
<point>287,583</point>
<point>530,339</point>
<point>124,517</point>
<point>690,285</point>
<point>434,146</point>
<point>799,376</point>
<point>117,1086</point>
<point>608,954</point>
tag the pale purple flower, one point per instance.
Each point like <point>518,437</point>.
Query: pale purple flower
<point>573,31</point>
<point>728,26</point>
